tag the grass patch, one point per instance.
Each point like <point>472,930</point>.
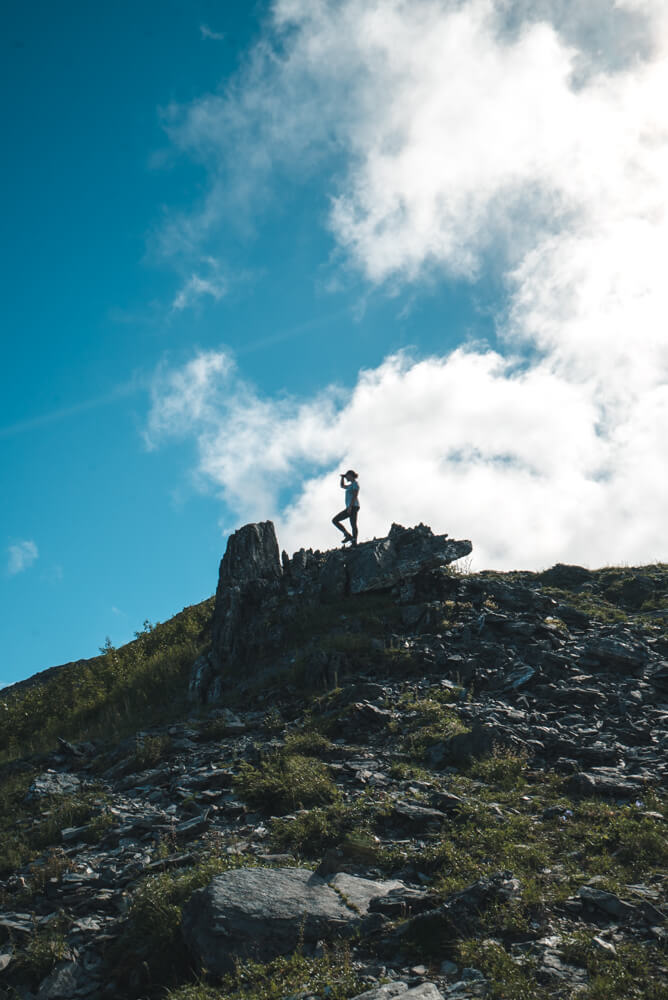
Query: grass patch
<point>633,972</point>
<point>617,841</point>
<point>109,696</point>
<point>427,721</point>
<point>44,949</point>
<point>346,824</point>
<point>308,743</point>
<point>150,750</point>
<point>508,980</point>
<point>331,976</point>
<point>285,781</point>
<point>504,769</point>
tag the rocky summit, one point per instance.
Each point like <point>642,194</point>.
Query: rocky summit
<point>363,773</point>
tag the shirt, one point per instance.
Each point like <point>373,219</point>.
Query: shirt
<point>352,495</point>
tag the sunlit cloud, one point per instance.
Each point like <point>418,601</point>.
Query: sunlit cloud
<point>524,143</point>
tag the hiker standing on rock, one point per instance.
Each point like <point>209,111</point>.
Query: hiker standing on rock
<point>352,488</point>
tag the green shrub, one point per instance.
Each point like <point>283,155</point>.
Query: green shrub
<point>114,694</point>
<point>503,768</point>
<point>346,824</point>
<point>633,972</point>
<point>309,743</point>
<point>283,782</point>
<point>330,976</point>
<point>508,980</point>
<point>428,722</point>
<point>45,947</point>
<point>150,750</point>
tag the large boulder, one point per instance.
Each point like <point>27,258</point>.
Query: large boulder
<point>261,913</point>
<point>613,654</point>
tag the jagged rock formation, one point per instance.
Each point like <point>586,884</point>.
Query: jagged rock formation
<point>499,739</point>
<point>254,587</point>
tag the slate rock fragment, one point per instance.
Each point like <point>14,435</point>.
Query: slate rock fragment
<point>261,913</point>
<point>53,783</point>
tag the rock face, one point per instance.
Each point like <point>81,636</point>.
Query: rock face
<point>251,554</point>
<point>405,553</point>
<point>249,573</point>
<point>261,913</point>
<point>254,583</point>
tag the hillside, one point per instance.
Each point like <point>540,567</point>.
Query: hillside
<point>353,772</point>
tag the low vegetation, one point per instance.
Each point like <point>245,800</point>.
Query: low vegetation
<point>331,976</point>
<point>284,781</point>
<point>111,695</point>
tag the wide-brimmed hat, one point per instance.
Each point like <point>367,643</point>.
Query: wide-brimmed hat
<point>352,473</point>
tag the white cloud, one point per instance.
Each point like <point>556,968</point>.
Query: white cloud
<point>21,556</point>
<point>514,459</point>
<point>206,32</point>
<point>196,287</point>
<point>472,137</point>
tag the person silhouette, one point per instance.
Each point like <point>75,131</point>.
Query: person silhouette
<point>352,488</point>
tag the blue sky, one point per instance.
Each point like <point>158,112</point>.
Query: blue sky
<point>248,245</point>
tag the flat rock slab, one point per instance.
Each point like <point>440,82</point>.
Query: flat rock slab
<point>359,892</point>
<point>261,913</point>
<point>54,783</point>
<point>405,552</point>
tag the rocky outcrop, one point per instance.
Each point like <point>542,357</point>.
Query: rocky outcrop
<point>257,590</point>
<point>385,562</point>
<point>250,573</point>
<point>251,554</point>
<point>377,565</point>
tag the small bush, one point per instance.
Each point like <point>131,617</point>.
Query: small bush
<point>309,743</point>
<point>150,945</point>
<point>310,833</point>
<point>508,980</point>
<point>428,722</point>
<point>44,949</point>
<point>503,768</point>
<point>150,750</point>
<point>633,972</point>
<point>283,782</point>
<point>330,976</point>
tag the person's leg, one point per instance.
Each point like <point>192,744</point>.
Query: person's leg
<point>336,521</point>
<point>353,524</point>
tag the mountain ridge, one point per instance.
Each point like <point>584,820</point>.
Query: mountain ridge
<point>473,765</point>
